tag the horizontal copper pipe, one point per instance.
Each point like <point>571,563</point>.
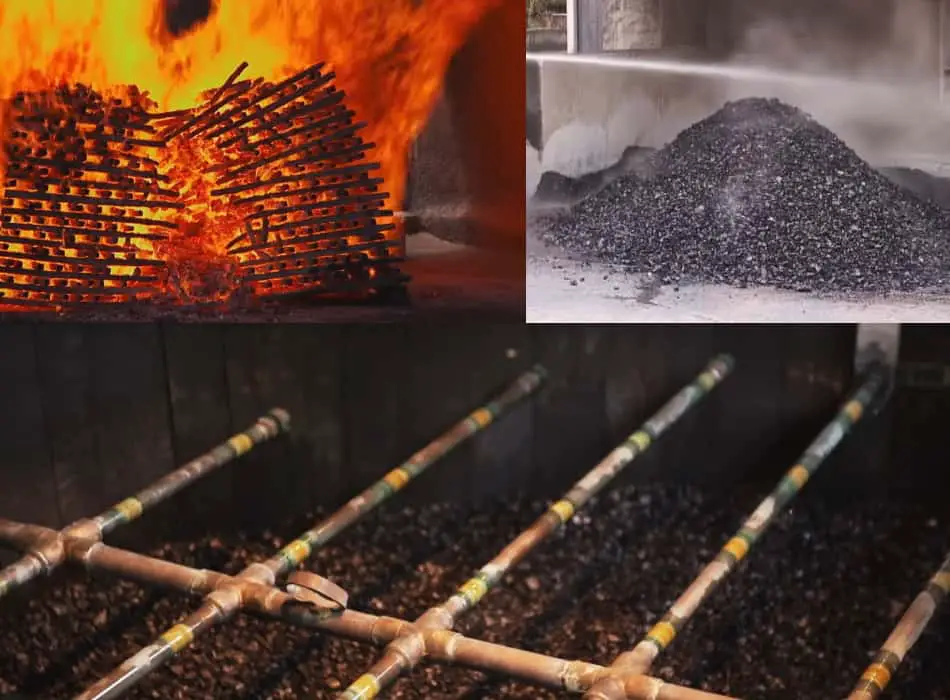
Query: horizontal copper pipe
<point>408,650</point>
<point>443,646</point>
<point>47,552</point>
<point>640,659</point>
<point>221,603</point>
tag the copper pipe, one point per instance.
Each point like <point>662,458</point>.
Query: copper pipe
<point>443,646</point>
<point>22,536</point>
<point>223,602</point>
<point>407,651</point>
<point>662,634</point>
<point>47,555</point>
<point>913,622</point>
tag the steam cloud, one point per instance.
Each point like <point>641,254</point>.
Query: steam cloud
<point>885,55</point>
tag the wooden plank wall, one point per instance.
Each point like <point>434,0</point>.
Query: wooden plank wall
<point>92,412</point>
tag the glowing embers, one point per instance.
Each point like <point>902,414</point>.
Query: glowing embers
<point>264,190</point>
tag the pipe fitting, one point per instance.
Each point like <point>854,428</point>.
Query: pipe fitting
<point>410,648</point>
<point>385,629</point>
<point>577,676</point>
<point>643,687</point>
<point>436,619</point>
<point>228,598</point>
<point>50,551</point>
<point>79,549</point>
<point>637,660</point>
<point>263,597</point>
<point>282,417</point>
<point>444,642</point>
<point>260,572</point>
<point>608,688</point>
<point>85,529</point>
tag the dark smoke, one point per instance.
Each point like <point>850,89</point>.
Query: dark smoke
<point>181,16</point>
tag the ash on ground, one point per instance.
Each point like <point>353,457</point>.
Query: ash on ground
<point>761,194</point>
<point>800,619</point>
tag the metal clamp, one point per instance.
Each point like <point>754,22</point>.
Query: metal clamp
<point>316,590</point>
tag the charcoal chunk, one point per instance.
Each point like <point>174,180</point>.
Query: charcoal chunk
<point>761,194</point>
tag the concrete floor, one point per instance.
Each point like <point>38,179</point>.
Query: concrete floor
<point>455,278</point>
<point>449,280</point>
<point>561,290</point>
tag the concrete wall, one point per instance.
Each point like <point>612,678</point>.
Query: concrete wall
<point>466,173</point>
<point>896,36</point>
<point>546,40</point>
<point>585,116</point>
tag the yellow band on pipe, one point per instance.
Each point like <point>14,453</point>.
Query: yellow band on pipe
<point>178,637</point>
<point>297,551</point>
<point>737,547</point>
<point>564,510</point>
<point>854,410</point>
<point>130,508</point>
<point>799,475</point>
<point>473,590</point>
<point>482,416</point>
<point>662,633</point>
<point>397,478</point>
<point>241,443</point>
<point>878,674</point>
<point>366,686</point>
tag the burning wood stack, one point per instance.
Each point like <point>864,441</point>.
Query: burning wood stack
<point>264,190</point>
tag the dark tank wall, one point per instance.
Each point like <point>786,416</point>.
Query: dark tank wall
<point>93,412</point>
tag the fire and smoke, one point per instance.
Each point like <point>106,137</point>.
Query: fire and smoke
<point>388,57</point>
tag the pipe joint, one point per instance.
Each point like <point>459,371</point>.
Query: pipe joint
<point>79,549</point>
<point>640,687</point>
<point>442,642</point>
<point>637,660</point>
<point>229,598</point>
<point>608,688</point>
<point>410,648</point>
<point>259,572</point>
<point>436,619</point>
<point>577,676</point>
<point>263,597</point>
<point>385,628</point>
<point>50,551</point>
<point>282,418</point>
<point>85,529</point>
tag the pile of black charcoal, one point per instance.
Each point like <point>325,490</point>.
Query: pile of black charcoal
<point>801,619</point>
<point>760,194</point>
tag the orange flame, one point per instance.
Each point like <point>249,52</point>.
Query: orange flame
<point>389,56</point>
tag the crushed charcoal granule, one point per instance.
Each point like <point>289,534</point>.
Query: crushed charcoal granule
<point>760,194</point>
<point>800,618</point>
